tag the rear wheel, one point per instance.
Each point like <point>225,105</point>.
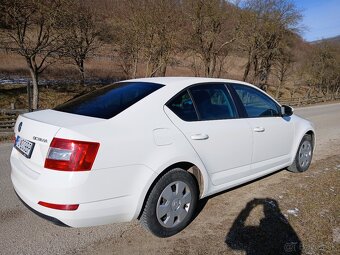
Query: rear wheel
<point>171,203</point>
<point>303,156</point>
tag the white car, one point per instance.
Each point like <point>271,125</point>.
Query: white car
<point>148,149</point>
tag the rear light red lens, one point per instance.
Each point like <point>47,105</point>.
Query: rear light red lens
<point>60,207</point>
<point>71,155</point>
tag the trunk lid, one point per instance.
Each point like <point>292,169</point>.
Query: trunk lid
<point>39,128</point>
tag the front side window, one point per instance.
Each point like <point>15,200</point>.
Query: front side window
<point>109,101</point>
<point>183,107</point>
<point>256,103</point>
<point>213,102</point>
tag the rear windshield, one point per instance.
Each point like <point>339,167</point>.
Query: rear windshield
<point>109,101</point>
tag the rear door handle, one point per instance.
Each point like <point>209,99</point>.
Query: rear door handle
<point>259,129</point>
<point>199,137</point>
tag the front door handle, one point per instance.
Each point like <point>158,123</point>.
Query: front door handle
<point>199,137</point>
<point>259,129</point>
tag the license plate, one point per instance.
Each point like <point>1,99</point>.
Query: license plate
<point>24,146</point>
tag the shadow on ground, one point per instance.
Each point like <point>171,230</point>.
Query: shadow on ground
<point>273,234</point>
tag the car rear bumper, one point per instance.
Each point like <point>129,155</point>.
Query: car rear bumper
<point>104,196</point>
<point>46,217</point>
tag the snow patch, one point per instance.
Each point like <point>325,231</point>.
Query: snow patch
<point>294,211</point>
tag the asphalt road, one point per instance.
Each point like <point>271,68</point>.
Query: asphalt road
<point>326,119</point>
<point>22,232</point>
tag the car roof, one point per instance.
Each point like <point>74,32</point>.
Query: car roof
<point>179,83</point>
<point>182,82</point>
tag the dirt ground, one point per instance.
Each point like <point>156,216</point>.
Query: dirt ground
<point>285,213</point>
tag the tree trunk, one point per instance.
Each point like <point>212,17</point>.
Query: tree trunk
<point>247,68</point>
<point>256,71</point>
<point>277,94</point>
<point>212,65</point>
<point>147,72</point>
<point>206,68</point>
<point>34,76</point>
<point>162,70</point>
<point>29,96</point>
<point>82,72</point>
<point>135,66</point>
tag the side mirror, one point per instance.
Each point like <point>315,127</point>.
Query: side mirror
<point>286,110</point>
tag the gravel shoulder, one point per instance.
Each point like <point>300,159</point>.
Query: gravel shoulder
<point>283,213</point>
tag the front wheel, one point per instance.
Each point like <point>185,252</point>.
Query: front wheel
<point>171,203</point>
<point>303,156</point>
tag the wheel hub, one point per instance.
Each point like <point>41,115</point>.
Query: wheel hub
<point>173,204</point>
<point>176,203</point>
<point>305,154</point>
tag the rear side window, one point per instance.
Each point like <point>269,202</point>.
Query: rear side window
<point>183,106</point>
<point>213,102</point>
<point>109,101</point>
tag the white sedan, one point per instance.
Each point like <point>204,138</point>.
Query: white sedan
<point>148,149</point>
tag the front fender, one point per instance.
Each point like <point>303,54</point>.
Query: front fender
<point>302,127</point>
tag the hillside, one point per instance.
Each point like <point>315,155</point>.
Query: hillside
<point>335,39</point>
<point>98,43</point>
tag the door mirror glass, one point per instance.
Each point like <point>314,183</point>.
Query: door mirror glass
<point>286,110</point>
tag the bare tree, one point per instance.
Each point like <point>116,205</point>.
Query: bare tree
<point>31,33</point>
<point>146,32</point>
<point>80,33</point>
<point>128,40</point>
<point>323,68</point>
<point>161,42</point>
<point>210,30</point>
<point>264,26</point>
<point>282,69</point>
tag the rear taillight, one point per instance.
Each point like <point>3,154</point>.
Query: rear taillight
<point>71,155</point>
<point>59,206</point>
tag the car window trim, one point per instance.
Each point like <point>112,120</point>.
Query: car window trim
<point>195,106</point>
<point>237,101</point>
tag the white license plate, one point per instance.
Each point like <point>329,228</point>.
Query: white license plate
<point>25,147</point>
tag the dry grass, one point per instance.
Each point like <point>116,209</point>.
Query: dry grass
<point>49,97</point>
<point>107,67</point>
<point>103,66</point>
<point>13,65</point>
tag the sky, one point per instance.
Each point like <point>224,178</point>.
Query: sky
<point>321,18</point>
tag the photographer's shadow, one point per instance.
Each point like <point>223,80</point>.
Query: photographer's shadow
<point>274,234</point>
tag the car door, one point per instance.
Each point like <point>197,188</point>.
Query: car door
<point>208,118</point>
<point>272,133</point>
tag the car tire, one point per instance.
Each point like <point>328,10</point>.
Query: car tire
<point>171,203</point>
<point>303,156</point>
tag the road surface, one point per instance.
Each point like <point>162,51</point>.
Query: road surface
<point>22,232</point>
